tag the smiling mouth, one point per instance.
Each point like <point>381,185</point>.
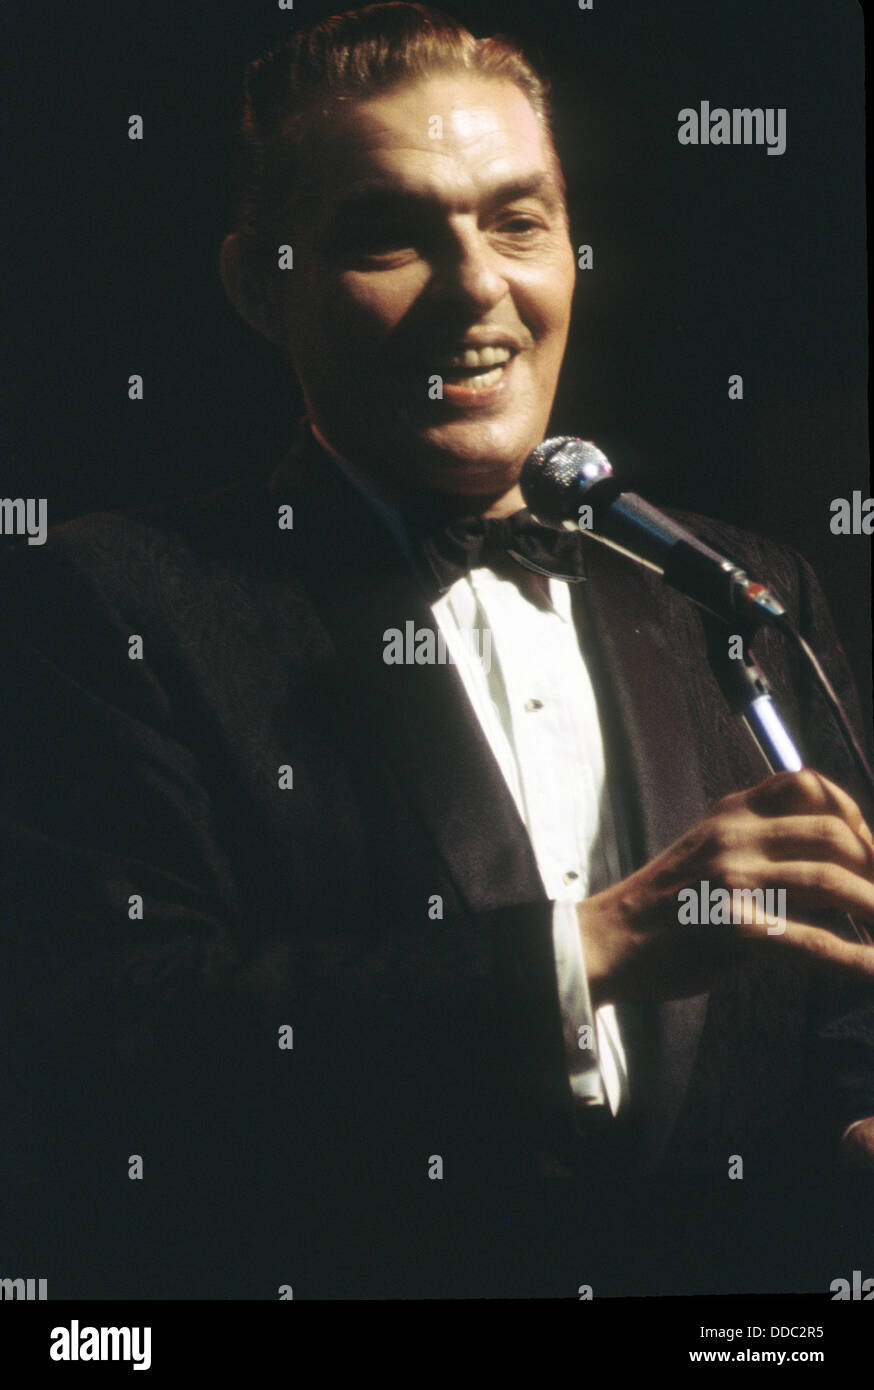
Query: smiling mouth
<point>476,369</point>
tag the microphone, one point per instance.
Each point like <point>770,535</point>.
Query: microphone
<point>569,482</point>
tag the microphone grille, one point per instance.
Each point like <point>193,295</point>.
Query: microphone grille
<point>558,473</point>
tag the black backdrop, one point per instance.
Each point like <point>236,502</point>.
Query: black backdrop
<point>707,261</point>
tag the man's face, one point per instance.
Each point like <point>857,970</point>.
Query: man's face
<point>432,243</point>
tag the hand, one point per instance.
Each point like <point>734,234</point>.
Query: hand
<point>796,831</point>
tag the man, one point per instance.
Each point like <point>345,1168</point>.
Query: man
<point>339,951</point>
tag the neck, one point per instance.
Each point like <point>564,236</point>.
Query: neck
<point>505,505</point>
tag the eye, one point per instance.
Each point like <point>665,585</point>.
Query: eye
<point>371,238</point>
<point>519,226</point>
<point>520,223</point>
<point>388,235</point>
<point>365,238</point>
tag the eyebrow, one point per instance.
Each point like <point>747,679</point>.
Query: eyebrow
<point>379,193</point>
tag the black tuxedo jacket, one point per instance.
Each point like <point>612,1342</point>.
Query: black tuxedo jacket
<point>414,1036</point>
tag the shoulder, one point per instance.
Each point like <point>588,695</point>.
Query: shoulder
<point>136,559</point>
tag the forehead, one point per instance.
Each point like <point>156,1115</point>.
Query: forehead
<point>449,136</point>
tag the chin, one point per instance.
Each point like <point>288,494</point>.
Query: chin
<point>466,475</point>
<point>466,465</point>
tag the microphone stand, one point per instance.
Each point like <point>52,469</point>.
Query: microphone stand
<point>748,693</point>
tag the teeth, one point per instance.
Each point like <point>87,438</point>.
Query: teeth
<point>483,380</point>
<point>479,357</point>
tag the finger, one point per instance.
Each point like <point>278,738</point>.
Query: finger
<point>817,944</point>
<point>848,809</point>
<point>822,837</point>
<point>853,816</point>
<point>797,793</point>
<point>782,794</point>
<point>812,886</point>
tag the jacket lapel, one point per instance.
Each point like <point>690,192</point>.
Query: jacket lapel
<point>652,746</point>
<point>417,717</point>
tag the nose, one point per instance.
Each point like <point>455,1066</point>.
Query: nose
<point>468,273</point>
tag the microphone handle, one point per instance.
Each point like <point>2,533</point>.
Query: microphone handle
<point>632,525</point>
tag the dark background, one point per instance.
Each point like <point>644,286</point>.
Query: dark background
<point>708,261</point>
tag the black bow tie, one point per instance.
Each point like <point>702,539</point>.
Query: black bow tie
<point>467,542</point>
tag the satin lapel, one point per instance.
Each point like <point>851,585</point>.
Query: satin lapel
<point>651,743</point>
<point>417,717</point>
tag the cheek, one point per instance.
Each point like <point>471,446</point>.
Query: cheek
<point>544,299</point>
<point>369,305</point>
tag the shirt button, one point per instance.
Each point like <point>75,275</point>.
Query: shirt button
<point>570,876</point>
<point>533,704</point>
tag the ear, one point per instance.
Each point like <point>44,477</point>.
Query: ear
<point>251,293</point>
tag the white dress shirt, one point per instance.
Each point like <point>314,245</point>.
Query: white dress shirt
<point>531,692</point>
